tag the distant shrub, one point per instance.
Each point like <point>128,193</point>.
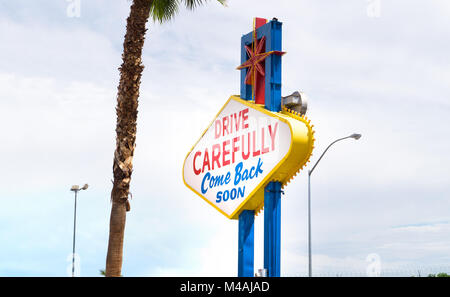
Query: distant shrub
<point>441,274</point>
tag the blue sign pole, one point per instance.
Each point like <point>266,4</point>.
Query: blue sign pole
<point>272,196</point>
<point>246,243</point>
<point>272,228</point>
<point>272,192</point>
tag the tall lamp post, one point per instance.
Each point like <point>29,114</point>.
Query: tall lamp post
<point>354,136</point>
<point>75,189</point>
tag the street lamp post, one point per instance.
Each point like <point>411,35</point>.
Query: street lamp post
<point>75,189</point>
<point>354,136</point>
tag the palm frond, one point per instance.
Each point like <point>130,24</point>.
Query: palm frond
<point>165,10</point>
<point>192,4</point>
<point>223,2</point>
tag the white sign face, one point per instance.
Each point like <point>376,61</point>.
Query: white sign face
<point>236,155</point>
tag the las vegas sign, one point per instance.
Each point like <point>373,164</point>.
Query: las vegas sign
<point>244,148</point>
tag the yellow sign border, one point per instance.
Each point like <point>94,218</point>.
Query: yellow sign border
<point>268,176</point>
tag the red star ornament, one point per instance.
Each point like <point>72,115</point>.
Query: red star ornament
<point>255,61</point>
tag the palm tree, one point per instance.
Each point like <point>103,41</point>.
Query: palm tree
<point>126,110</point>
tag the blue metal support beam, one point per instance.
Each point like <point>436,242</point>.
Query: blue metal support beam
<point>246,243</point>
<point>273,68</point>
<point>272,192</point>
<point>272,228</point>
<point>272,195</point>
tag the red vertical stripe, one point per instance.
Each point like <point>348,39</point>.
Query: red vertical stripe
<point>260,87</point>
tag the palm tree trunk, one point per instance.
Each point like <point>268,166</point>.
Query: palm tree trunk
<point>127,109</point>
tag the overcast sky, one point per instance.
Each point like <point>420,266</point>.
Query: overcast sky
<point>379,68</point>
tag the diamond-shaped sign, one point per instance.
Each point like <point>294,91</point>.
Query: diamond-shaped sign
<point>244,148</point>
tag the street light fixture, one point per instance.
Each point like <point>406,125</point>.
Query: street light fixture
<point>354,136</point>
<point>76,189</point>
